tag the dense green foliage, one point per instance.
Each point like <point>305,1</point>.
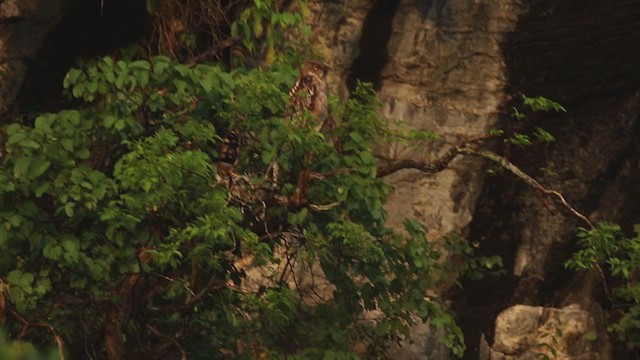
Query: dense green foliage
<point>607,246</point>
<point>116,219</point>
<point>127,232</point>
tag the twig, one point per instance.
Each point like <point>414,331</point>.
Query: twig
<point>432,166</point>
<point>26,325</point>
<point>213,50</point>
<point>531,182</point>
<point>213,284</point>
<point>324,207</point>
<point>183,354</point>
<point>464,148</point>
<point>56,336</point>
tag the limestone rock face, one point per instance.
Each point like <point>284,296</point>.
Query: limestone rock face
<point>337,30</point>
<point>530,332</point>
<point>596,138</point>
<point>11,9</point>
<point>442,70</point>
<point>445,74</point>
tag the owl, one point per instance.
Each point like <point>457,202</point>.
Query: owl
<point>309,93</point>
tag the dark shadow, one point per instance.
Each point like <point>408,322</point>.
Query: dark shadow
<point>376,31</point>
<point>91,28</point>
<point>580,54</point>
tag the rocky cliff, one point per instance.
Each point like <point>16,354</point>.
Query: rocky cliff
<point>24,25</point>
<point>454,67</point>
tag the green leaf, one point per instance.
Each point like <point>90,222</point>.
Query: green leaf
<point>543,135</point>
<point>42,188</point>
<point>83,154</point>
<point>92,87</point>
<point>16,138</point>
<point>160,64</point>
<point>120,124</point>
<point>43,124</point>
<point>71,78</point>
<point>67,144</point>
<point>73,116</point>
<point>29,143</point>
<point>180,85</point>
<point>78,90</point>
<point>38,167</point>
<point>207,83</point>
<point>68,208</point>
<point>21,167</point>
<point>367,157</point>
<point>52,251</point>
<point>227,79</point>
<point>71,246</point>
<point>356,137</point>
<point>183,70</point>
<point>140,64</point>
<point>109,120</point>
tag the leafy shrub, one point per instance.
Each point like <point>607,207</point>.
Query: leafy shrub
<point>122,228</point>
<point>607,246</point>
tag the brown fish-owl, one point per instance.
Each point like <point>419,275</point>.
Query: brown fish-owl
<point>310,93</point>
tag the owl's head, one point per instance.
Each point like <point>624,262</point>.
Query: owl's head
<point>316,67</point>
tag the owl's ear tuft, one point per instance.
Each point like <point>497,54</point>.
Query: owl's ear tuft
<point>319,66</point>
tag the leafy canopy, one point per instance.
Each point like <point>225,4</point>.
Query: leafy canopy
<point>120,218</point>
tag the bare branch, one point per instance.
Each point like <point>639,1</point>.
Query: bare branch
<point>56,336</point>
<point>26,325</point>
<point>212,51</point>
<point>324,207</point>
<point>183,354</point>
<point>433,166</point>
<point>429,167</point>
<point>531,182</point>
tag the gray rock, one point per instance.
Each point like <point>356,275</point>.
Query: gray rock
<point>530,332</point>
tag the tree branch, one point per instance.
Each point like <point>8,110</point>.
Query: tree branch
<point>183,353</point>
<point>531,182</point>
<point>429,167</point>
<point>464,148</point>
<point>434,166</point>
<point>26,325</point>
<point>212,51</point>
